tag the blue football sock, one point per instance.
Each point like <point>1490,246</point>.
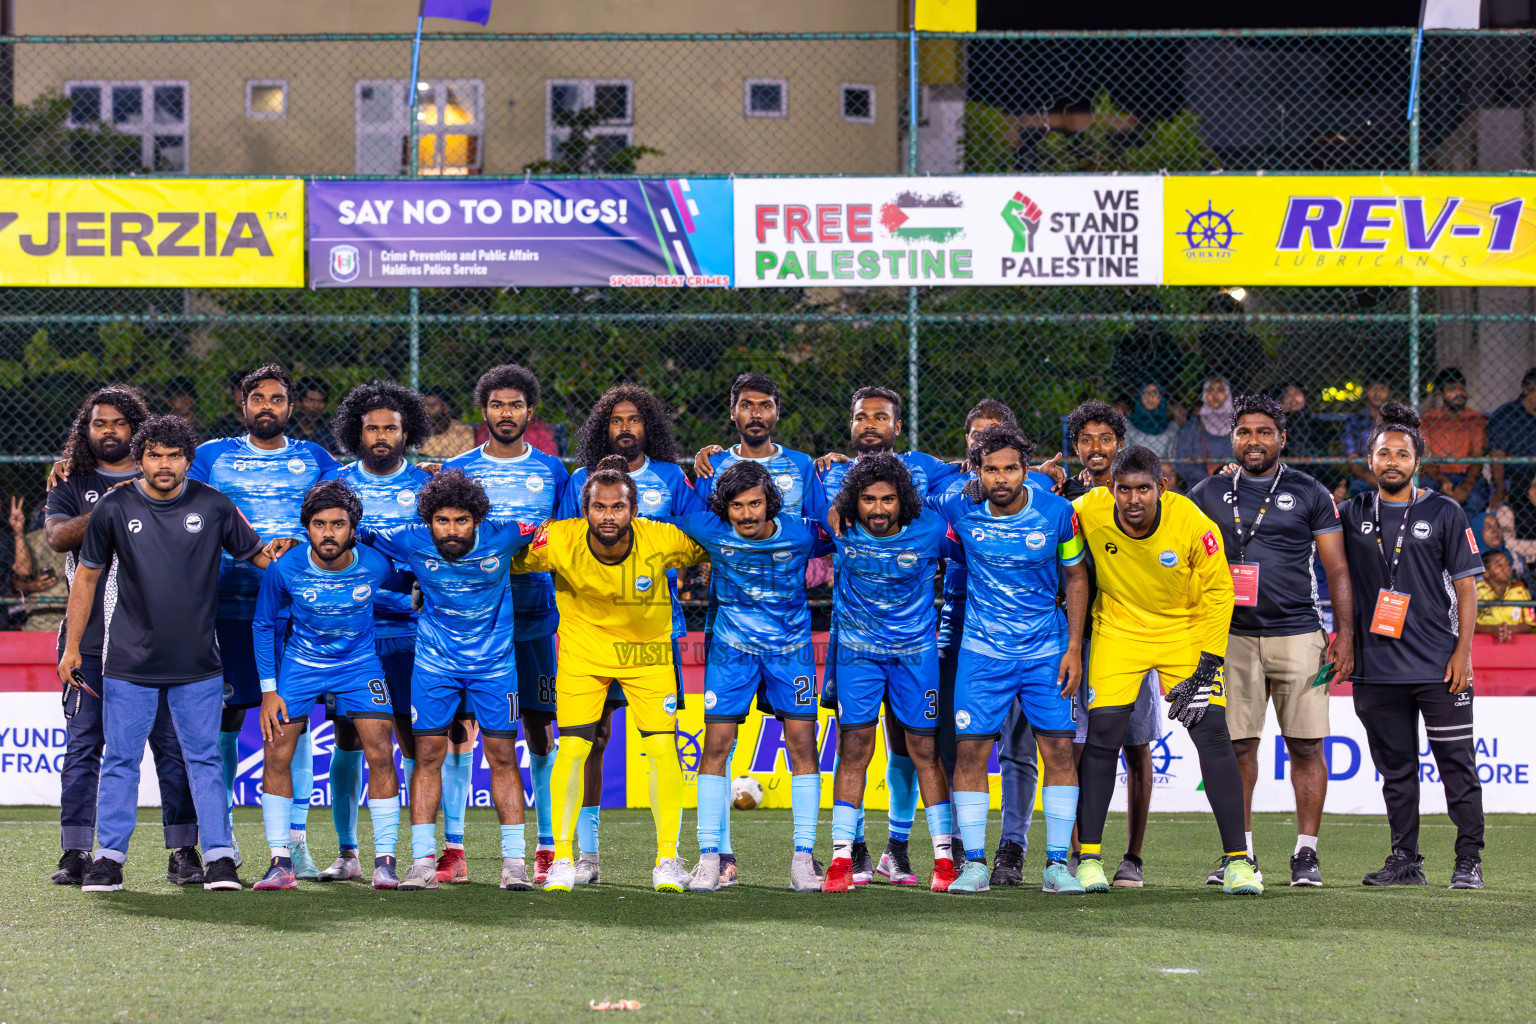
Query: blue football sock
<point>384,816</point>
<point>971,810</point>
<point>805,802</point>
<point>274,817</point>
<point>303,780</point>
<point>844,825</point>
<point>901,784</point>
<point>858,826</point>
<point>712,801</point>
<point>408,770</point>
<point>725,810</point>
<point>346,791</point>
<point>941,821</point>
<point>1060,804</point>
<point>514,843</point>
<point>456,776</point>
<point>424,840</point>
<point>229,756</point>
<point>542,766</point>
<point>586,829</point>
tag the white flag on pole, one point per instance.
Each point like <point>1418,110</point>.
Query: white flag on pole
<point>1450,14</point>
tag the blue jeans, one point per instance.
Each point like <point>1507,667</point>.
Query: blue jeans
<point>1017,758</point>
<point>129,710</point>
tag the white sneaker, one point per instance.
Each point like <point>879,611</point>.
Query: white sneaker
<point>669,876</point>
<point>343,869</point>
<point>804,873</point>
<point>586,869</point>
<point>706,874</point>
<point>514,874</point>
<point>562,876</point>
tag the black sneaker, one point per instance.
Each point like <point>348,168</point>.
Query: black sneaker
<point>1218,874</point>
<point>1008,864</point>
<point>1305,869</point>
<point>220,874</point>
<point>104,875</point>
<point>185,867</point>
<point>72,867</point>
<point>863,866</point>
<point>1468,873</point>
<point>1401,868</point>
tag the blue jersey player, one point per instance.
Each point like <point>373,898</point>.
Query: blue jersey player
<point>377,422</point>
<point>630,421</point>
<point>524,484</point>
<point>463,654</point>
<point>266,475</point>
<point>762,639</point>
<point>1020,543</point>
<point>887,556</point>
<point>323,592</point>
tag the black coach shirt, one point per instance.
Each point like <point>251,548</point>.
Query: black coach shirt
<point>1438,549</point>
<point>163,594</point>
<point>74,497</point>
<point>1284,548</point>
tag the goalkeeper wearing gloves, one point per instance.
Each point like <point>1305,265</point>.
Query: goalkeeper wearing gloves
<point>1165,603</point>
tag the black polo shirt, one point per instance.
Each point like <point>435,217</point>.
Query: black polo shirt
<point>74,497</point>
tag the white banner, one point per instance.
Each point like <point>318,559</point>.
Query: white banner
<point>859,232</point>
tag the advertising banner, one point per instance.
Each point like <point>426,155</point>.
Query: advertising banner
<point>672,233</point>
<point>156,233</point>
<point>1365,230</point>
<point>859,232</point>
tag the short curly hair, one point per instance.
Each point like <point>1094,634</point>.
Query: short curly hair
<point>592,441</point>
<point>1258,405</point>
<point>874,392</point>
<point>329,494</point>
<point>126,399</point>
<point>164,432</point>
<point>450,488</point>
<point>738,478</point>
<point>880,467</point>
<point>507,375</point>
<point>272,371</point>
<point>610,471</point>
<point>1095,411</point>
<point>990,409</point>
<point>347,424</point>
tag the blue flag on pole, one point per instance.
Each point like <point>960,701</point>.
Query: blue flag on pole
<point>478,11</point>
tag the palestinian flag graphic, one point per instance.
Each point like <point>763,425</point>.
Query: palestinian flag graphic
<point>913,217</point>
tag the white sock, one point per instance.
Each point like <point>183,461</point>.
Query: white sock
<point>941,848</point>
<point>842,848</point>
<point>279,851</point>
<point>296,835</point>
<point>1306,842</point>
<point>428,860</point>
<point>1249,836</point>
<point>453,846</point>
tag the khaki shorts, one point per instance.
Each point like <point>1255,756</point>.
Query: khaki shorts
<point>1280,668</point>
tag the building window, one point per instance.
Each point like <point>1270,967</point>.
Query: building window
<point>766,97</point>
<point>610,123</point>
<point>450,116</point>
<point>266,101</point>
<point>858,103</point>
<point>156,112</point>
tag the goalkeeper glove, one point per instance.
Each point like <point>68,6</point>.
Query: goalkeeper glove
<point>1188,700</point>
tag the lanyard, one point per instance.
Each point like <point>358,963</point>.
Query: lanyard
<point>1402,532</point>
<point>1237,516</point>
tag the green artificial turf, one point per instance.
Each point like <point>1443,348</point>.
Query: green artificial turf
<point>1174,951</point>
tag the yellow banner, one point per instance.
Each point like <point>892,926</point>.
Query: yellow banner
<point>1384,230</point>
<point>946,15</point>
<point>167,232</point>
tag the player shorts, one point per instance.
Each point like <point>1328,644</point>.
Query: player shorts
<point>1278,668</point>
<point>436,699</point>
<point>237,653</point>
<point>1146,714</point>
<point>829,675</point>
<point>617,699</point>
<point>398,656</point>
<point>1117,666</point>
<point>650,691</point>
<point>910,682</point>
<point>985,689</point>
<point>535,674</point>
<point>733,677</point>
<point>359,691</point>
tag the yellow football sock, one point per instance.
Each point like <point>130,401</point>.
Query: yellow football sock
<point>666,791</point>
<point>1092,849</point>
<point>566,785</point>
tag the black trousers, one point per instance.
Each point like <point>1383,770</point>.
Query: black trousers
<point>1390,712</point>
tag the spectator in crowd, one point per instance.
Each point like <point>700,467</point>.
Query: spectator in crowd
<point>1453,430</point>
<point>1205,441</point>
<point>1491,536</point>
<point>1512,432</point>
<point>18,577</point>
<point>48,567</point>
<point>1306,437</point>
<point>309,422</point>
<point>1499,584</point>
<point>181,400</point>
<point>450,436</point>
<point>1230,350</point>
<point>1172,482</point>
<point>1357,436</point>
<point>1149,425</point>
<point>1147,352</point>
<point>231,424</point>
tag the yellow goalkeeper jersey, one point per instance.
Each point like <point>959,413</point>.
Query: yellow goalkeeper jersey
<point>613,617</point>
<point>1170,585</point>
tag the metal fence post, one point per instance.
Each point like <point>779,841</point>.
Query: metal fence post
<point>912,418</point>
<point>1413,168</point>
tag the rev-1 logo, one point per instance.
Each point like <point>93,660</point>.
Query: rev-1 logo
<point>1361,223</point>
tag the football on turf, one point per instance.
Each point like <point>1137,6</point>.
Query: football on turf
<point>746,793</point>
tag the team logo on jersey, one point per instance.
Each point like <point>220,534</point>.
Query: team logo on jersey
<point>362,592</point>
<point>783,481</point>
<point>1035,540</point>
<point>907,559</point>
<point>978,534</point>
<point>295,465</point>
<point>229,691</point>
<point>431,564</point>
<point>1471,541</point>
<point>193,522</point>
<point>1110,549</point>
<point>405,497</point>
<point>490,563</point>
<point>1211,544</point>
<point>669,703</point>
<point>134,526</point>
<point>345,263</point>
<point>962,719</point>
<point>310,596</point>
<point>413,714</point>
<point>643,583</point>
<point>728,552</point>
<point>651,497</point>
<point>782,556</point>
<point>1168,559</point>
<point>1285,502</point>
<point>1421,530</point>
<point>535,483</point>
<point>709,700</point>
<point>91,496</point>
